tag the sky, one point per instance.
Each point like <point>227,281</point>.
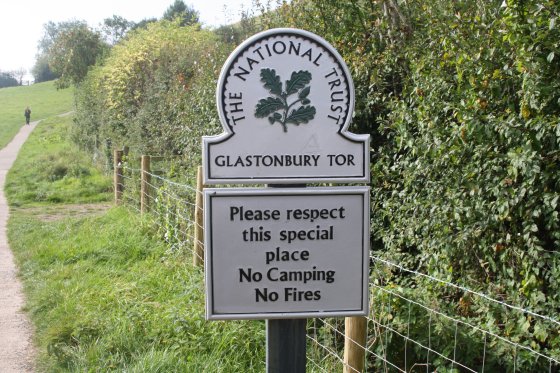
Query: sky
<point>21,21</point>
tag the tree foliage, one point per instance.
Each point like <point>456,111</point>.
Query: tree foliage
<point>41,70</point>
<point>73,51</point>
<point>153,92</point>
<point>115,28</point>
<point>51,30</point>
<point>462,100</point>
<point>186,14</point>
<point>7,79</point>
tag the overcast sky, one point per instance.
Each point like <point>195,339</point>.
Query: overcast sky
<point>21,21</point>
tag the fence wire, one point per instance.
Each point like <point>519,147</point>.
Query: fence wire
<point>406,332</point>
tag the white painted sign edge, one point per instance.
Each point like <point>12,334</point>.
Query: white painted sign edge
<point>211,192</point>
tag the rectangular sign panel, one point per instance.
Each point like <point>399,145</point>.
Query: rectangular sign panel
<point>286,253</point>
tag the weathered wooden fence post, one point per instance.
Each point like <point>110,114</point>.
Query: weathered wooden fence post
<point>198,250</point>
<point>118,178</point>
<point>145,178</point>
<point>354,344</point>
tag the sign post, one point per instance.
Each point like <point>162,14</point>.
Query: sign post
<point>284,254</point>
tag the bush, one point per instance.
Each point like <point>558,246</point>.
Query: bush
<point>155,92</point>
<point>462,102</point>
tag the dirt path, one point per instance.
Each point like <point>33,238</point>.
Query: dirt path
<point>16,344</point>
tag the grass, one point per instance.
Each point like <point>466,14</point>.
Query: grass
<point>51,170</point>
<point>43,99</point>
<point>104,293</point>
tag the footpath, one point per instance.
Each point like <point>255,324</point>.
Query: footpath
<point>16,333</point>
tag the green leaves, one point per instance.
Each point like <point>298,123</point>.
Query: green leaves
<point>271,105</point>
<point>297,81</point>
<point>301,115</point>
<point>271,81</point>
<point>268,106</point>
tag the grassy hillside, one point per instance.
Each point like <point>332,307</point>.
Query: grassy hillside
<point>43,99</point>
<point>50,169</point>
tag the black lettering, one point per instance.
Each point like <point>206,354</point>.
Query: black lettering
<point>219,161</point>
<point>336,119</point>
<point>256,235</point>
<point>249,276</point>
<point>258,51</point>
<point>295,295</point>
<point>268,50</point>
<point>294,49</point>
<point>240,74</point>
<point>252,62</point>
<point>315,62</point>
<point>279,50</point>
<point>336,109</point>
<point>307,54</point>
<point>334,99</point>
<point>233,211</point>
<point>235,119</point>
<point>265,296</point>
<point>334,72</point>
<point>236,106</point>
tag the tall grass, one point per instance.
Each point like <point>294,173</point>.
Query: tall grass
<point>50,169</point>
<point>43,99</point>
<point>103,292</point>
<point>106,296</point>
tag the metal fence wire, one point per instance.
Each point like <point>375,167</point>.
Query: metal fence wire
<point>406,330</point>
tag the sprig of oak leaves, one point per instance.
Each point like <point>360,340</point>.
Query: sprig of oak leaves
<point>277,108</point>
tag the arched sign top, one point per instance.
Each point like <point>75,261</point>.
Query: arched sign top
<point>285,99</point>
<point>285,62</point>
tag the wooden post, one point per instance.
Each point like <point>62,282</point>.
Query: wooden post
<point>118,178</point>
<point>198,250</point>
<point>145,184</point>
<point>286,338</point>
<point>354,344</point>
<point>285,345</point>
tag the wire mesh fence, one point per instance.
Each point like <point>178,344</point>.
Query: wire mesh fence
<point>408,330</point>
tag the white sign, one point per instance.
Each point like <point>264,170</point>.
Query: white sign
<point>279,253</point>
<point>285,99</point>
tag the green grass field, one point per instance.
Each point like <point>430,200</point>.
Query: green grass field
<point>52,170</point>
<point>104,293</point>
<point>43,99</point>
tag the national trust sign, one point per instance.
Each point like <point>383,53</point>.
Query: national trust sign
<point>285,99</point>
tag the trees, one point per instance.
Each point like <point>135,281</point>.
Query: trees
<point>19,74</point>
<point>179,9</point>
<point>462,100</point>
<point>7,79</point>
<point>65,51</point>
<point>51,31</point>
<point>154,92</point>
<point>41,70</point>
<point>115,28</point>
<point>73,51</point>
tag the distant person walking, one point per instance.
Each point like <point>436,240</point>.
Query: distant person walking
<point>27,114</point>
